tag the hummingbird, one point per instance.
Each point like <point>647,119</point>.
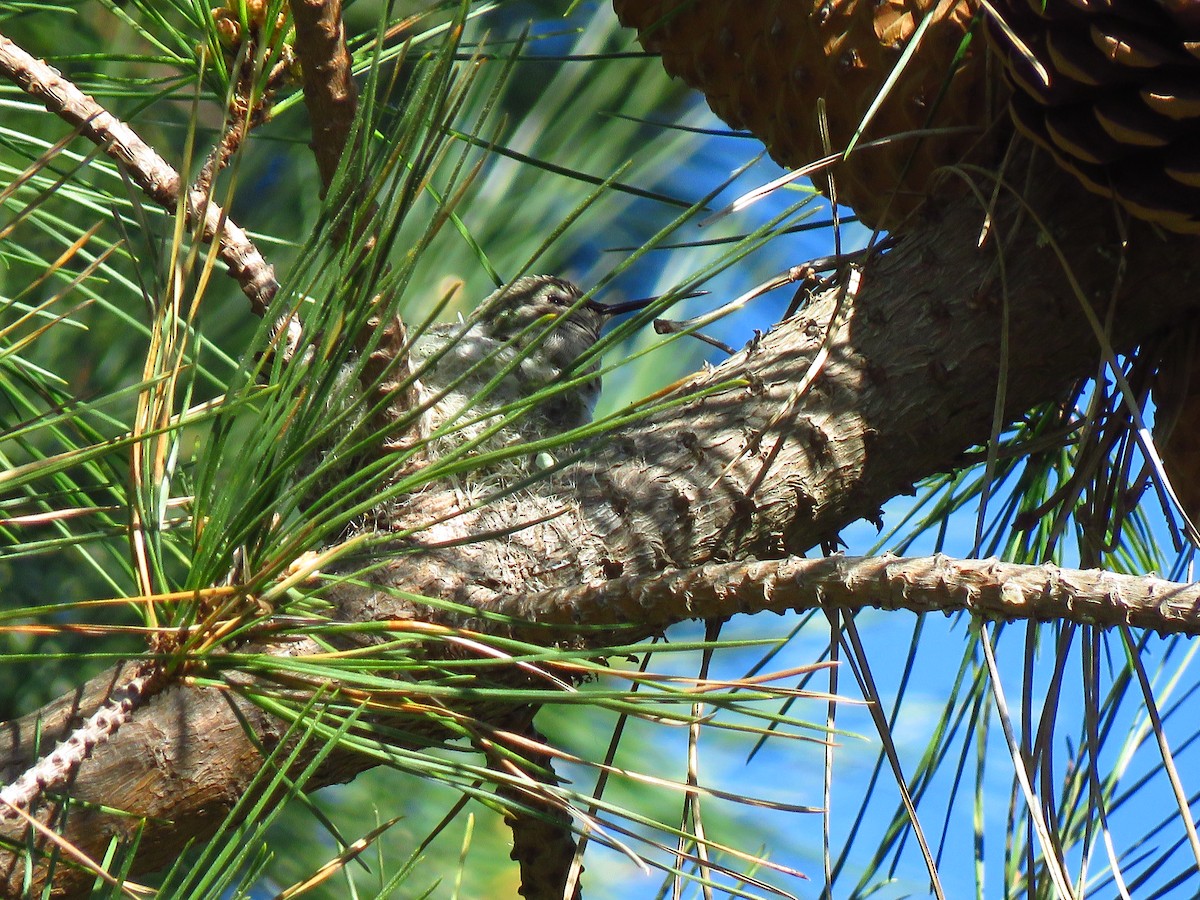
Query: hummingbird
<point>471,378</point>
<point>528,336</point>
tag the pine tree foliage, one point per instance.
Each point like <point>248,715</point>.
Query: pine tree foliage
<point>205,481</point>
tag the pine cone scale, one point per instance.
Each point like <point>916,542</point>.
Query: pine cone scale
<point>1179,100</point>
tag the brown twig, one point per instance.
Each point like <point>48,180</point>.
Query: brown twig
<point>149,171</point>
<point>245,113</point>
<point>329,90</point>
<point>543,841</point>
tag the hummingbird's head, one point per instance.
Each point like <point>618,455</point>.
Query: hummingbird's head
<point>524,310</point>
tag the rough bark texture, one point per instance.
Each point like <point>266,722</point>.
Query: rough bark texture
<point>55,768</point>
<point>910,383</point>
<point>329,90</point>
<point>183,762</point>
<point>543,843</point>
<point>988,588</point>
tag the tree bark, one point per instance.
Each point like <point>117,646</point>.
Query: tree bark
<point>744,469</point>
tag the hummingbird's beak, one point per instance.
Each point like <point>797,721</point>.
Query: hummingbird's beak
<point>617,309</point>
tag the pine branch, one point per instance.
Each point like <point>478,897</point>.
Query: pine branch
<point>329,90</point>
<point>543,842</point>
<point>908,386</point>
<point>161,182</point>
<point>145,168</point>
<point>56,767</point>
<point>192,753</point>
<point>987,588</point>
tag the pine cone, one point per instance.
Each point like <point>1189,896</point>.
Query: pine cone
<point>764,64</point>
<point>1117,100</point>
